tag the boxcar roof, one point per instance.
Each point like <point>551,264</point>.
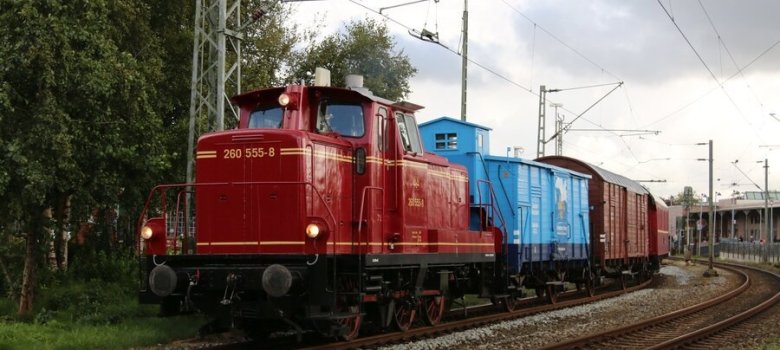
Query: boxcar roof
<point>606,175</point>
<point>658,201</point>
<point>536,164</point>
<point>458,121</point>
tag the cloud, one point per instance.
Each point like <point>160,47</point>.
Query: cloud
<point>565,44</point>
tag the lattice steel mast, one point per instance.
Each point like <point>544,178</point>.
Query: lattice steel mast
<point>214,80</point>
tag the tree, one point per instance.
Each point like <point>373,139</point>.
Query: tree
<point>82,115</point>
<point>365,48</point>
<point>685,199</point>
<point>270,46</point>
<point>94,95</point>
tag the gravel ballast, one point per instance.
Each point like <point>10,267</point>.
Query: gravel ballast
<point>677,286</point>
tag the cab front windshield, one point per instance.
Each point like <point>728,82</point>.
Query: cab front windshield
<point>266,118</point>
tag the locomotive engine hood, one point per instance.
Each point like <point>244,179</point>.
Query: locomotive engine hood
<point>251,192</point>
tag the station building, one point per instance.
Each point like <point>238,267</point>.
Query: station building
<point>738,219</point>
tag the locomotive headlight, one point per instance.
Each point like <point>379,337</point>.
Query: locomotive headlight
<point>284,100</point>
<point>146,232</point>
<point>289,100</point>
<point>312,231</point>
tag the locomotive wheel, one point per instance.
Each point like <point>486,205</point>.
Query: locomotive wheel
<point>350,305</point>
<point>404,315</point>
<point>351,324</point>
<point>432,309</point>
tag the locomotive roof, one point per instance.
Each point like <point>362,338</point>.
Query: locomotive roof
<point>607,175</point>
<point>362,91</point>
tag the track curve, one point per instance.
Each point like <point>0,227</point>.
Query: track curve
<point>695,326</point>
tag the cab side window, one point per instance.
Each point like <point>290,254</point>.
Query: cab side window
<point>409,133</point>
<point>405,141</point>
<point>343,119</point>
<point>381,128</point>
<point>414,134</point>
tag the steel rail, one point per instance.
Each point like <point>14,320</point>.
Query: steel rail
<point>677,316</point>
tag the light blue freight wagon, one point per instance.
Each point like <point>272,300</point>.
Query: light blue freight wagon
<point>544,207</point>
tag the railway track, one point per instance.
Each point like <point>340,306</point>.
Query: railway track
<point>709,325</point>
<point>457,322</point>
<point>454,321</point>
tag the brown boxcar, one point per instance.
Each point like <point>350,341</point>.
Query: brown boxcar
<point>618,218</point>
<point>659,231</point>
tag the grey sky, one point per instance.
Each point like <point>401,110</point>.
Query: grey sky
<point>666,86</point>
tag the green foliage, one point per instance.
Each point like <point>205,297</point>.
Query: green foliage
<point>365,48</point>
<point>98,289</point>
<point>12,256</point>
<point>92,306</point>
<point>133,333</point>
<point>80,100</point>
<point>121,267</point>
<point>685,199</point>
<point>270,45</point>
<point>7,308</point>
<point>92,302</point>
<point>87,90</point>
<point>94,99</point>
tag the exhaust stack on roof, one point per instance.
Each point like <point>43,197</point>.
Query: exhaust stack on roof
<point>321,77</point>
<point>354,81</point>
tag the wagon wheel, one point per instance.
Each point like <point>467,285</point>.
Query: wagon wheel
<point>586,286</point>
<point>404,314</point>
<point>552,294</point>
<point>622,281</point>
<point>590,289</point>
<point>539,292</point>
<point>432,309</point>
<point>588,282</point>
<point>510,303</point>
<point>351,324</point>
<point>590,286</point>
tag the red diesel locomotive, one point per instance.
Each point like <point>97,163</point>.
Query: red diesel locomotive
<point>320,212</point>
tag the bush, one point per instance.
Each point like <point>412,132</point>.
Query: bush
<point>92,302</point>
<point>91,264</point>
<point>8,307</point>
<point>99,288</point>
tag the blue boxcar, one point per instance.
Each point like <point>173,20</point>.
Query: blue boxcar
<point>544,207</point>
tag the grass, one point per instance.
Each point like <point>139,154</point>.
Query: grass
<point>137,332</point>
<point>93,315</point>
